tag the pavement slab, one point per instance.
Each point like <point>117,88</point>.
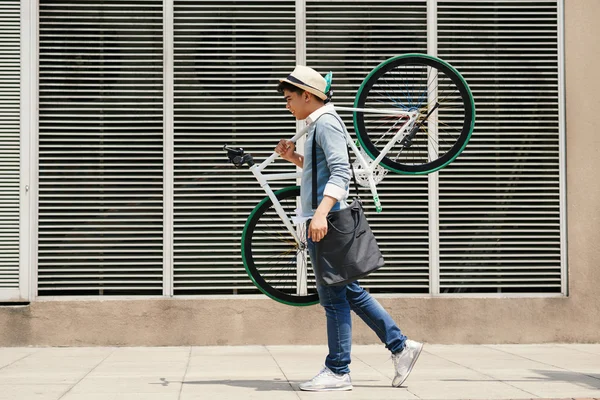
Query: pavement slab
<point>443,372</point>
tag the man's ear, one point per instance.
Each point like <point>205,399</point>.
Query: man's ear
<point>306,96</point>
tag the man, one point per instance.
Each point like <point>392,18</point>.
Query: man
<point>306,93</point>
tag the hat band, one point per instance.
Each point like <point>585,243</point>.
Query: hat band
<point>298,81</point>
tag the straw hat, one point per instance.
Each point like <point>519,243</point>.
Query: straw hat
<point>308,79</point>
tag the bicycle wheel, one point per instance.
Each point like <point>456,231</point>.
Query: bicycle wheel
<point>415,82</point>
<point>272,256</point>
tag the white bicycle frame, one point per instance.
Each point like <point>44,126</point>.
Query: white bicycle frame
<point>366,169</point>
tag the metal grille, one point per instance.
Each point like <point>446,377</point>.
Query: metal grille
<point>350,39</point>
<point>9,145</point>
<point>102,150</point>
<point>101,147</point>
<point>229,56</point>
<point>499,201</point>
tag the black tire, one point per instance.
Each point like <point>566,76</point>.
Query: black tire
<point>407,82</point>
<point>271,254</point>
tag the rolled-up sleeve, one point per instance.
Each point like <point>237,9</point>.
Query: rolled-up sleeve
<point>333,143</point>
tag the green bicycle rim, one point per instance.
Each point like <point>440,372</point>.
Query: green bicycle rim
<point>412,55</point>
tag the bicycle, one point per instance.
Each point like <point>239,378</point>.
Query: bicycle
<point>413,114</point>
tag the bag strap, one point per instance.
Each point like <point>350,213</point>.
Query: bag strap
<point>314,163</point>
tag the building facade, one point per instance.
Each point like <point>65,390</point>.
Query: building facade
<point>122,217</point>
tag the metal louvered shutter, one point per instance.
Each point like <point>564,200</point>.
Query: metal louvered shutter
<point>350,39</point>
<point>101,147</point>
<point>500,222</point>
<point>9,148</point>
<point>105,226</point>
<point>228,57</point>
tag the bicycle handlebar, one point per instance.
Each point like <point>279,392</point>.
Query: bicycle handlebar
<point>237,156</point>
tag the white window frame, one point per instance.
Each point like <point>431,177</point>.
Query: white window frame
<point>562,146</point>
<point>28,235</point>
<point>169,147</point>
<point>28,214</point>
<point>434,192</point>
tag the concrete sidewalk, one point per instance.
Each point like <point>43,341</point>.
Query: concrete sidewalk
<point>274,372</point>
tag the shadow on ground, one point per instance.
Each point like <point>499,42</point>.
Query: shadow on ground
<point>585,380</point>
<point>258,384</point>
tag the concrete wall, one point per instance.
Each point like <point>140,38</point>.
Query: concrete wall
<point>575,318</point>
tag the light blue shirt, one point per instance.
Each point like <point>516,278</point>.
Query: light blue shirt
<point>333,167</point>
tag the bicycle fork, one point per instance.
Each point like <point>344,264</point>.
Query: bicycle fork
<point>296,232</point>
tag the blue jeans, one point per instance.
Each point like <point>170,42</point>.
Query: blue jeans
<point>338,301</point>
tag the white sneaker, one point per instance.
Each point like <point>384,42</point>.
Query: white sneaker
<point>326,380</point>
<point>405,361</point>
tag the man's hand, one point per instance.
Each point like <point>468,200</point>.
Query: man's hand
<point>318,225</point>
<point>317,228</point>
<point>285,148</point>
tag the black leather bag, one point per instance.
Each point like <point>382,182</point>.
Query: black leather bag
<point>349,250</point>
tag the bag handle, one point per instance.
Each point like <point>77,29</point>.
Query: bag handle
<point>314,163</point>
<point>356,222</point>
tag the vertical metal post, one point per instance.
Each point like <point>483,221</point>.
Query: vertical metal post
<point>28,236</point>
<point>300,55</point>
<point>301,265</point>
<point>433,184</point>
<point>168,128</point>
<point>562,147</point>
